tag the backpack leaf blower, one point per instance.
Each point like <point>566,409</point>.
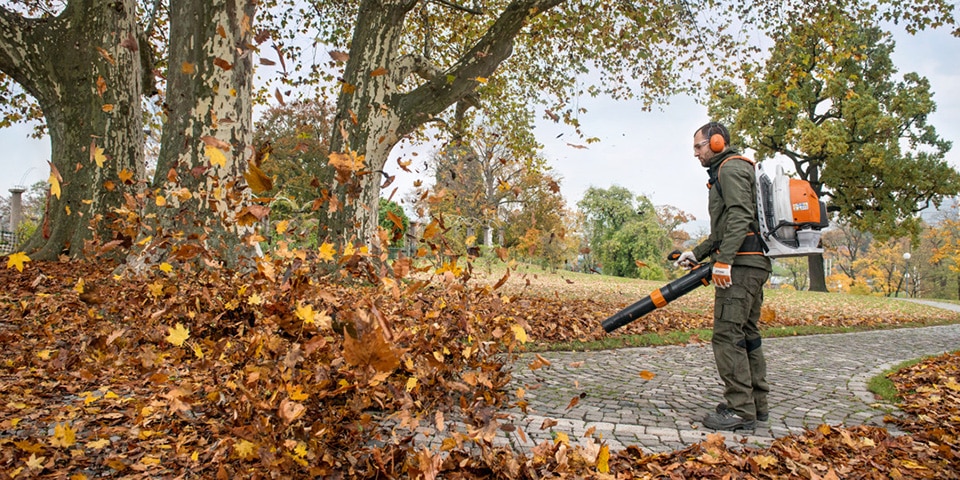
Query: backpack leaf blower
<point>699,276</point>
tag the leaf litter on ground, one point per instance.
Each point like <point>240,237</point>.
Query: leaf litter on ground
<point>222,375</point>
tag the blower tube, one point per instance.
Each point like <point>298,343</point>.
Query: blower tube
<point>699,276</point>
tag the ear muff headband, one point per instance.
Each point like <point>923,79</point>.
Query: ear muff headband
<point>716,143</point>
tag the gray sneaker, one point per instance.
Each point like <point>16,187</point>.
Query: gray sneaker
<point>761,416</point>
<point>727,420</point>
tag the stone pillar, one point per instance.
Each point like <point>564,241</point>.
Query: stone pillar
<point>16,207</point>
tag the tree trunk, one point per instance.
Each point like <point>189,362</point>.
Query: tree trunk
<point>83,67</point>
<point>200,196</point>
<point>818,281</point>
<point>373,113</point>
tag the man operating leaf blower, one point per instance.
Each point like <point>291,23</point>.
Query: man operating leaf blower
<point>738,271</point>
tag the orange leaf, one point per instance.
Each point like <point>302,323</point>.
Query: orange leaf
<point>259,182</point>
<point>573,402</point>
<point>101,85</point>
<point>647,375</point>
<point>222,63</point>
<point>187,68</point>
<point>106,55</point>
<point>378,72</point>
<point>370,350</point>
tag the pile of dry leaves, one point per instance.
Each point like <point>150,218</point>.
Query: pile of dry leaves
<point>274,372</point>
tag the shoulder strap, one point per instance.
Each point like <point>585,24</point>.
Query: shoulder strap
<point>716,180</point>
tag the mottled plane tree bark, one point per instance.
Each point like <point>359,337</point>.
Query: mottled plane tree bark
<point>83,67</point>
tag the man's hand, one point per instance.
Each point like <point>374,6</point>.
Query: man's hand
<point>721,275</point>
<point>687,259</point>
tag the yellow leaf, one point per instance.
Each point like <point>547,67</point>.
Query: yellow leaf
<point>156,289</point>
<point>44,354</point>
<point>17,260</point>
<point>79,286</point>
<point>98,444</point>
<point>603,459</point>
<point>197,351</point>
<point>54,186</point>
<point>34,462</point>
<point>482,79</point>
<point>216,156</point>
<point>561,438</point>
<point>178,335</point>
<point>107,108</point>
<point>306,313</point>
<point>765,461</point>
<point>327,251</point>
<point>98,156</point>
<point>67,208</point>
<point>647,375</point>
<point>255,299</point>
<point>349,250</point>
<point>411,383</point>
<point>195,456</point>
<point>349,161</point>
<point>78,476</point>
<point>165,267</point>
<point>245,449</point>
<point>125,175</point>
<point>296,394</point>
<point>63,436</point>
<point>519,333</point>
<point>160,201</point>
<point>470,240</point>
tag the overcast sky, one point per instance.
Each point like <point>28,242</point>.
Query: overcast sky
<point>649,153</point>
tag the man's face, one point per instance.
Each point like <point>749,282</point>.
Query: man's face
<point>701,149</point>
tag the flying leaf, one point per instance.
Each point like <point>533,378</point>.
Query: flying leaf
<point>258,181</point>
<point>187,68</point>
<point>290,410</point>
<point>54,180</point>
<point>165,267</point>
<point>603,459</point>
<point>245,449</point>
<point>126,176</point>
<point>348,162</point>
<point>106,55</point>
<point>327,250</point>
<point>130,43</point>
<point>647,375</point>
<point>519,333</point>
<point>101,86</point>
<point>178,335</point>
<point>370,350</point>
<point>216,156</point>
<point>306,313</point>
<point>378,72</point>
<point>222,63</point>
<point>96,154</point>
<point>17,260</point>
<point>107,108</point>
<point>339,56</point>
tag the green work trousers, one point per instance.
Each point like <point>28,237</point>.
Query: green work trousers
<point>736,342</point>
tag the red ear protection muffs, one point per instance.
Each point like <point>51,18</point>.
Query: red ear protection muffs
<point>716,143</point>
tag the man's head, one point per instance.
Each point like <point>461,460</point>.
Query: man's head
<point>710,140</point>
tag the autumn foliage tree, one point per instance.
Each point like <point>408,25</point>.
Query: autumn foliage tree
<point>828,100</point>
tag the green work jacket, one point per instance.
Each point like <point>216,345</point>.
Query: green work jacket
<point>733,212</point>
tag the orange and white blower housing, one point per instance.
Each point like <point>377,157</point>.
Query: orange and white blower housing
<point>791,215</point>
